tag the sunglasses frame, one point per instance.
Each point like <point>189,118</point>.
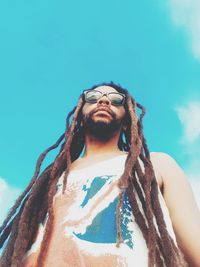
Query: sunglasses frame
<point>106,94</point>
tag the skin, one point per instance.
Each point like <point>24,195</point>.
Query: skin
<point>172,181</point>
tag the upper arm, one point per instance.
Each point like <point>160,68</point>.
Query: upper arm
<point>182,207</point>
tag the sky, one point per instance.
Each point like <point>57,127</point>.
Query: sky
<point>50,51</point>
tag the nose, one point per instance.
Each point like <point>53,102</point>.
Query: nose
<point>104,100</point>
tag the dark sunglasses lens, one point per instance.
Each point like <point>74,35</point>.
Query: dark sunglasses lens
<point>92,96</point>
<point>116,99</point>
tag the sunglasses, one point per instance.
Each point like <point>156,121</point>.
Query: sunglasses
<point>92,96</point>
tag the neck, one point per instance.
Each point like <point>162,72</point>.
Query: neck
<point>95,147</point>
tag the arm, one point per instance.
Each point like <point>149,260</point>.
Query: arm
<point>182,207</point>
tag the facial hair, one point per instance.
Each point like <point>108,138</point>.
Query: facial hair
<point>101,130</point>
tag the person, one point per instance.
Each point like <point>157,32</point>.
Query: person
<point>105,200</point>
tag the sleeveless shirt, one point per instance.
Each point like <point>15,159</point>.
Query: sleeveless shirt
<point>90,219</point>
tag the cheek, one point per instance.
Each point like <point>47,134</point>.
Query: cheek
<point>87,108</point>
<point>121,113</point>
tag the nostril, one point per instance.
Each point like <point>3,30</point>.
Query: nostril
<point>104,102</point>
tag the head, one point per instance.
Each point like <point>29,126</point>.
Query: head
<point>103,113</point>
<point>102,118</point>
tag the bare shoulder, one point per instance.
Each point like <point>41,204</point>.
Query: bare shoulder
<point>155,160</point>
<point>168,168</point>
<point>160,156</point>
<point>177,189</point>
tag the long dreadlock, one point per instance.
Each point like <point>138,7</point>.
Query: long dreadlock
<point>19,229</point>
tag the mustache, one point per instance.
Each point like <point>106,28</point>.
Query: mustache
<point>103,109</point>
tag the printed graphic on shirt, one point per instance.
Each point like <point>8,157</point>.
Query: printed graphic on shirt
<point>90,221</point>
<point>103,227</point>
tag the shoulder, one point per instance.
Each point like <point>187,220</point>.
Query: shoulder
<point>164,162</point>
<point>173,179</point>
<point>160,156</point>
<point>157,160</point>
<point>167,169</point>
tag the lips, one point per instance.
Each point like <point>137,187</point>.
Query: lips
<point>104,110</point>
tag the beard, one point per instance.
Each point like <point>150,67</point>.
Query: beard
<point>101,130</point>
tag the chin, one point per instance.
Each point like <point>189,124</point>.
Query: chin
<point>102,120</point>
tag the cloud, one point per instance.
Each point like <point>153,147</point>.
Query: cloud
<point>185,13</point>
<point>8,195</point>
<point>189,116</point>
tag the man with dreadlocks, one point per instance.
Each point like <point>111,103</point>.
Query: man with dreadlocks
<point>105,200</point>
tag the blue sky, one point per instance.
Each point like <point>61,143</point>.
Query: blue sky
<point>51,50</point>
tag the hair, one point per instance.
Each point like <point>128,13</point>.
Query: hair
<point>19,229</point>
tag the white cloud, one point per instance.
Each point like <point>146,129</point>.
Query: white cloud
<point>190,118</point>
<point>8,195</point>
<point>185,13</point>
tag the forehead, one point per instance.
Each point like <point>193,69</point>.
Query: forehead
<point>105,89</point>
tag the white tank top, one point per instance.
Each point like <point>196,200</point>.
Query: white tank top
<point>90,219</point>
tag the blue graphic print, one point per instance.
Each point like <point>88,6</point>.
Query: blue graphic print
<point>103,227</point>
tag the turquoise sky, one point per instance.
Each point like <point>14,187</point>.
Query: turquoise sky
<point>51,50</point>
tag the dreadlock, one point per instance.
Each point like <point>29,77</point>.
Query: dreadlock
<point>19,229</point>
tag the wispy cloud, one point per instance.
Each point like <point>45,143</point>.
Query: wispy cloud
<point>8,195</point>
<point>185,13</point>
<point>189,116</point>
